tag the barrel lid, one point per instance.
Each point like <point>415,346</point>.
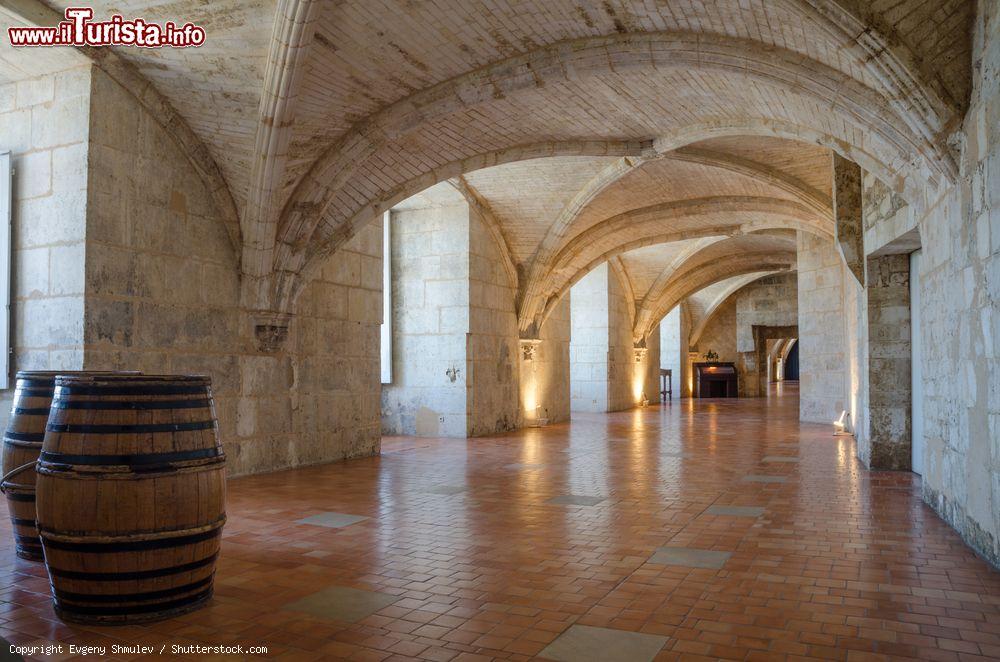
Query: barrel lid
<point>120,379</point>
<point>50,375</point>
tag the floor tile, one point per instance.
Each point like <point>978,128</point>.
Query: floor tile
<point>780,458</point>
<point>341,603</point>
<point>446,490</point>
<point>576,500</point>
<point>332,520</point>
<point>494,573</point>
<point>519,466</point>
<point>735,511</point>
<point>688,557</point>
<point>583,643</point>
<point>758,478</point>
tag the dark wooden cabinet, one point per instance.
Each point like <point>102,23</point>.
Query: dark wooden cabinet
<point>715,380</point>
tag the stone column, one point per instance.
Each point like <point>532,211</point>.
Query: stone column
<point>889,394</point>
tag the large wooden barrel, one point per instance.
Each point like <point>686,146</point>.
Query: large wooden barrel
<point>22,442</point>
<point>131,496</point>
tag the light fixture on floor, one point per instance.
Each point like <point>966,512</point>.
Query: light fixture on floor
<point>842,426</point>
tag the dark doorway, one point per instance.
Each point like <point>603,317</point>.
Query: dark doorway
<point>792,363</point>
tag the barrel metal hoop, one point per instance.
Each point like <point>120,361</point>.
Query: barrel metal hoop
<point>26,437</point>
<point>128,405</point>
<point>73,428</point>
<point>129,542</point>
<point>128,610</point>
<point>132,597</point>
<point>63,390</point>
<point>134,575</point>
<point>141,460</point>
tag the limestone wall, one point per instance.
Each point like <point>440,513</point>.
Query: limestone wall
<point>43,123</point>
<point>647,371</point>
<point>492,360</point>
<point>622,389</point>
<point>960,290</point>
<point>719,334</point>
<point>769,301</point>
<point>673,349</point>
<point>545,378</point>
<point>162,295</point>
<point>889,356</point>
<point>823,343</point>
<point>589,346</point>
<point>431,315</point>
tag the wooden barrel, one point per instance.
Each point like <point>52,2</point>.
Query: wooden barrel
<point>131,496</point>
<point>22,442</point>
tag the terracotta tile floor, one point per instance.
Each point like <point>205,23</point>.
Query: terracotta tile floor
<point>842,564</point>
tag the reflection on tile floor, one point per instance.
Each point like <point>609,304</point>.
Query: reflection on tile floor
<point>842,564</point>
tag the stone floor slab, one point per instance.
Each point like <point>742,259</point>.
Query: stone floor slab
<point>446,490</point>
<point>332,520</point>
<point>575,500</point>
<point>735,511</point>
<point>780,458</point>
<point>583,643</point>
<point>519,466</point>
<point>758,478</point>
<point>689,557</point>
<point>341,603</point>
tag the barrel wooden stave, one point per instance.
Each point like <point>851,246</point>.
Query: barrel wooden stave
<point>131,497</point>
<point>22,445</point>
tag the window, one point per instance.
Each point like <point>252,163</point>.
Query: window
<point>386,340</point>
<point>5,213</point>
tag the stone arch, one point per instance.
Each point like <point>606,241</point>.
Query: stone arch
<point>684,219</point>
<point>690,281</point>
<point>863,108</point>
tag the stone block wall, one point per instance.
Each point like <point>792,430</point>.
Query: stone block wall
<point>719,334</point>
<point>823,343</point>
<point>44,124</point>
<point>887,445</point>
<point>545,378</point>
<point>623,391</point>
<point>492,361</point>
<point>647,370</point>
<point>674,349</point>
<point>430,316</point>
<point>960,291</point>
<point>162,296</point>
<point>589,315</point>
<point>770,301</point>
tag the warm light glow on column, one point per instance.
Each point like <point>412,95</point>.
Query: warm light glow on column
<point>529,381</point>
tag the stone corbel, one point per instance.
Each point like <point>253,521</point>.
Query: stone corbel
<point>529,346</point>
<point>270,331</point>
<point>639,352</point>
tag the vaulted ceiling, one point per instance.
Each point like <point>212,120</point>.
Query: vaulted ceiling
<point>308,118</point>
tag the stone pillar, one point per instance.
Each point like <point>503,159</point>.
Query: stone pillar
<point>455,347</point>
<point>544,373</point>
<point>823,349</point>
<point>602,352</point>
<point>847,213</point>
<point>889,358</point>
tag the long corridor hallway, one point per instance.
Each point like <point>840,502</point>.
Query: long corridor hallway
<point>724,529</point>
